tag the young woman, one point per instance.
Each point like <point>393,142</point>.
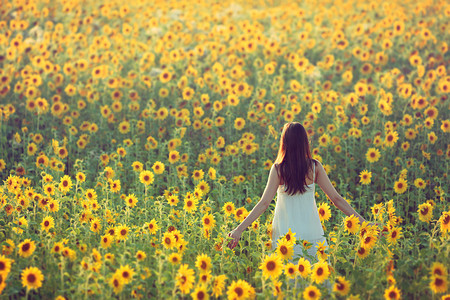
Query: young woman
<point>293,177</point>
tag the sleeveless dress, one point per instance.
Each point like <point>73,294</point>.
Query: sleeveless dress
<point>299,213</point>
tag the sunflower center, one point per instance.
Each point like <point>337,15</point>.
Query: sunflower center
<point>438,281</point>
<point>125,274</point>
<point>394,234</point>
<point>312,294</point>
<point>283,250</point>
<point>26,247</point>
<point>46,223</point>
<point>201,295</point>
<point>203,265</point>
<point>239,291</point>
<point>270,265</point>
<point>301,268</point>
<point>2,266</point>
<point>31,278</point>
<point>123,232</point>
<point>319,271</point>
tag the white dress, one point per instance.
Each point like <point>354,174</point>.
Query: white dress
<point>299,213</point>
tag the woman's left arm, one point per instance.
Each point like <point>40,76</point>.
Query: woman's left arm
<point>269,192</point>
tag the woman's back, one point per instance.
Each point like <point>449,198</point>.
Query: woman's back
<point>298,212</point>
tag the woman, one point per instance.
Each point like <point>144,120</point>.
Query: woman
<point>293,177</point>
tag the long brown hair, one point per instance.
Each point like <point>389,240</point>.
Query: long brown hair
<point>294,157</point>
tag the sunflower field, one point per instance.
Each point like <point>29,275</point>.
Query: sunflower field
<point>135,135</point>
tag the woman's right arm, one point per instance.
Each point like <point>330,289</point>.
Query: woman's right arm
<point>324,182</point>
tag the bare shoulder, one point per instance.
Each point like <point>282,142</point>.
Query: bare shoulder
<point>276,167</point>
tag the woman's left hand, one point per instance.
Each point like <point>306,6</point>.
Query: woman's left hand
<point>235,235</point>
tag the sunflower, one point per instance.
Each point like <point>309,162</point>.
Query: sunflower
<point>373,155</point>
<point>47,223</point>
<point>185,278</point>
<point>208,221</point>
<point>173,200</point>
<point>174,258</point>
<point>201,189</point>
<point>165,76</point>
<point>341,286</point>
<point>114,185</point>
<point>272,266</point>
<point>420,183</point>
<point>324,211</point>
<point>204,277</point>
<point>285,249</point>
<point>400,186</point>
<point>106,241</point>
<point>239,123</point>
<point>200,293</point>
<point>425,212</point>
<point>190,204</point>
<point>438,284</point>
<point>320,271</point>
<point>437,269</point>
<point>391,138</point>
<point>158,167</point>
<point>137,166</point>
<point>49,189</point>
<point>146,177</point>
<point>126,273</point>
<point>91,194</point>
<point>291,270</point>
<point>321,250</point>
<point>168,240</point>
<point>32,278</point>
<point>131,200</point>
<point>238,290</point>
<point>152,226</point>
<point>26,248</point>
<point>394,234</point>
<point>365,177</point>
<point>122,232</point>
<point>303,267</point>
<point>96,225</point>
<point>174,156</point>
<point>290,236</point>
<point>218,285</point>
<point>228,208</point>
<point>392,292</point>
<point>444,221</point>
<point>203,262</point>
<point>369,240</point>
<point>311,293</point>
<point>351,224</point>
<point>116,283</point>
<point>5,265</point>
<point>80,177</point>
